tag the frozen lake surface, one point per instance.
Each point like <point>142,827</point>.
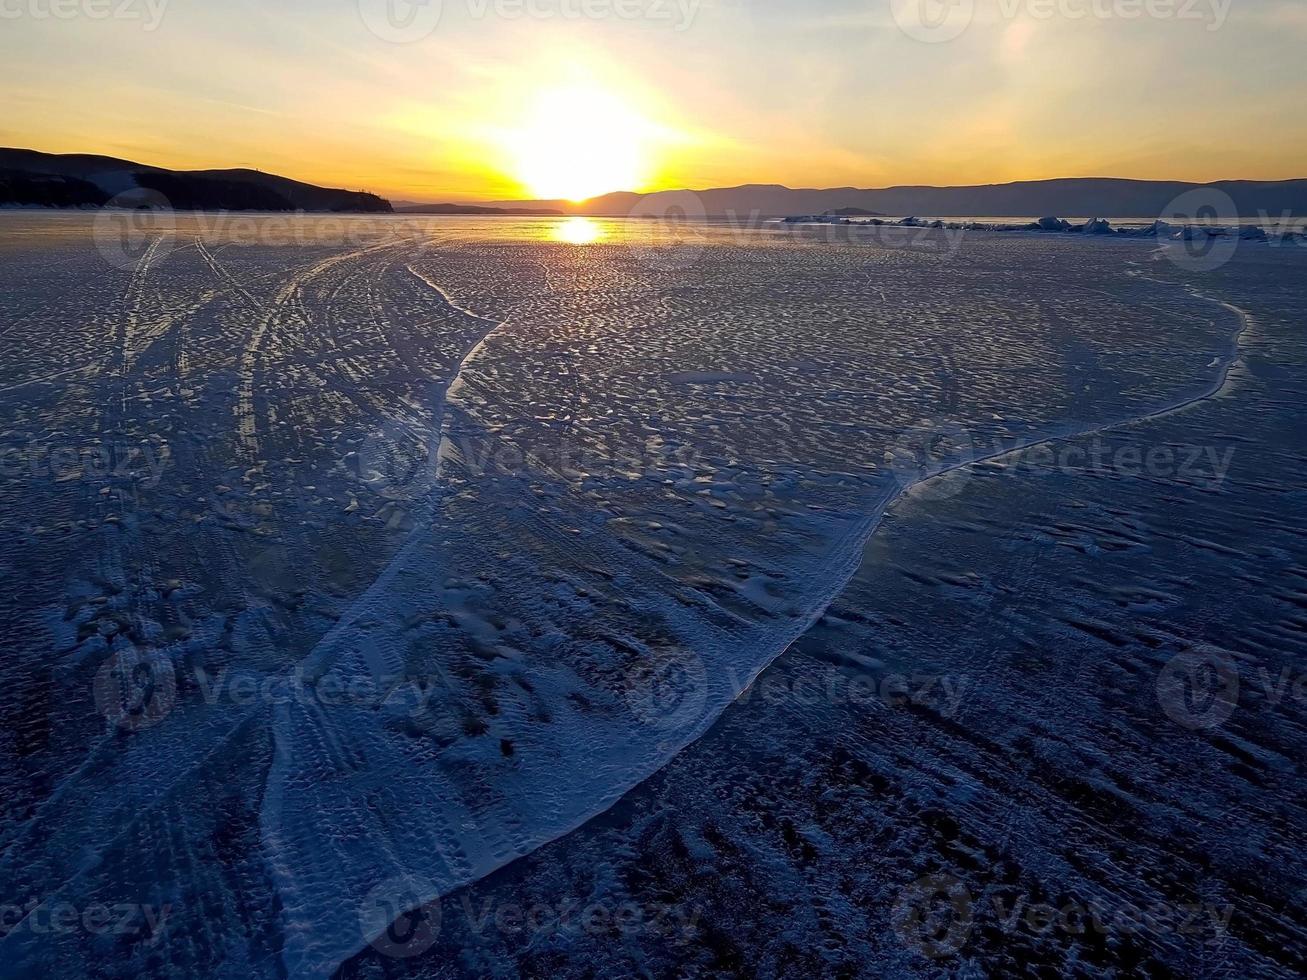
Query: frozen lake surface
<point>350,560</point>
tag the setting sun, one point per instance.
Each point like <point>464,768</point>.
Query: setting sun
<point>579,142</point>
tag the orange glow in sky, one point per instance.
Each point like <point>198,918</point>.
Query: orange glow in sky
<point>478,105</point>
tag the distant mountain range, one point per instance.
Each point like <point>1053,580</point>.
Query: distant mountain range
<point>28,177</point>
<point>408,207</point>
<point>1085,197</point>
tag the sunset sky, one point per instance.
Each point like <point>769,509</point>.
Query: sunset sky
<point>495,103</point>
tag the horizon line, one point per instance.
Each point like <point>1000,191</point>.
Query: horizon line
<point>425,198</point>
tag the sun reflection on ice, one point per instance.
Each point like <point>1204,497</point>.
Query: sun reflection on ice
<point>579,231</point>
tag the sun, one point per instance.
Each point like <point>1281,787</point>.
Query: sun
<point>578,142</point>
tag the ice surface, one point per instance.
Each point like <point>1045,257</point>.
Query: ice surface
<point>540,511</point>
<point>1028,614</point>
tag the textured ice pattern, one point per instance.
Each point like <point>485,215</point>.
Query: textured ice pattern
<point>422,544</point>
<point>989,710</point>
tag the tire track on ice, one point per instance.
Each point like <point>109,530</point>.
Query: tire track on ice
<point>66,812</point>
<point>102,749</point>
<point>125,562</point>
<point>128,323</point>
<point>252,356</point>
<point>452,847</point>
<point>447,392</point>
<point>450,843</point>
<point>350,390</point>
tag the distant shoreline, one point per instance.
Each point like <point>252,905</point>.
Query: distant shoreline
<point>63,181</point>
<point>1293,227</point>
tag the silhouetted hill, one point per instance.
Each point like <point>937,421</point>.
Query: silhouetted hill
<point>185,192</point>
<point>48,190</point>
<point>79,179</point>
<point>1070,196</point>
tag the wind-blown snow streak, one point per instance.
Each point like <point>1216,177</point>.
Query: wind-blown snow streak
<point>456,381</point>
<point>357,797</point>
<point>351,633</point>
<point>377,591</point>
